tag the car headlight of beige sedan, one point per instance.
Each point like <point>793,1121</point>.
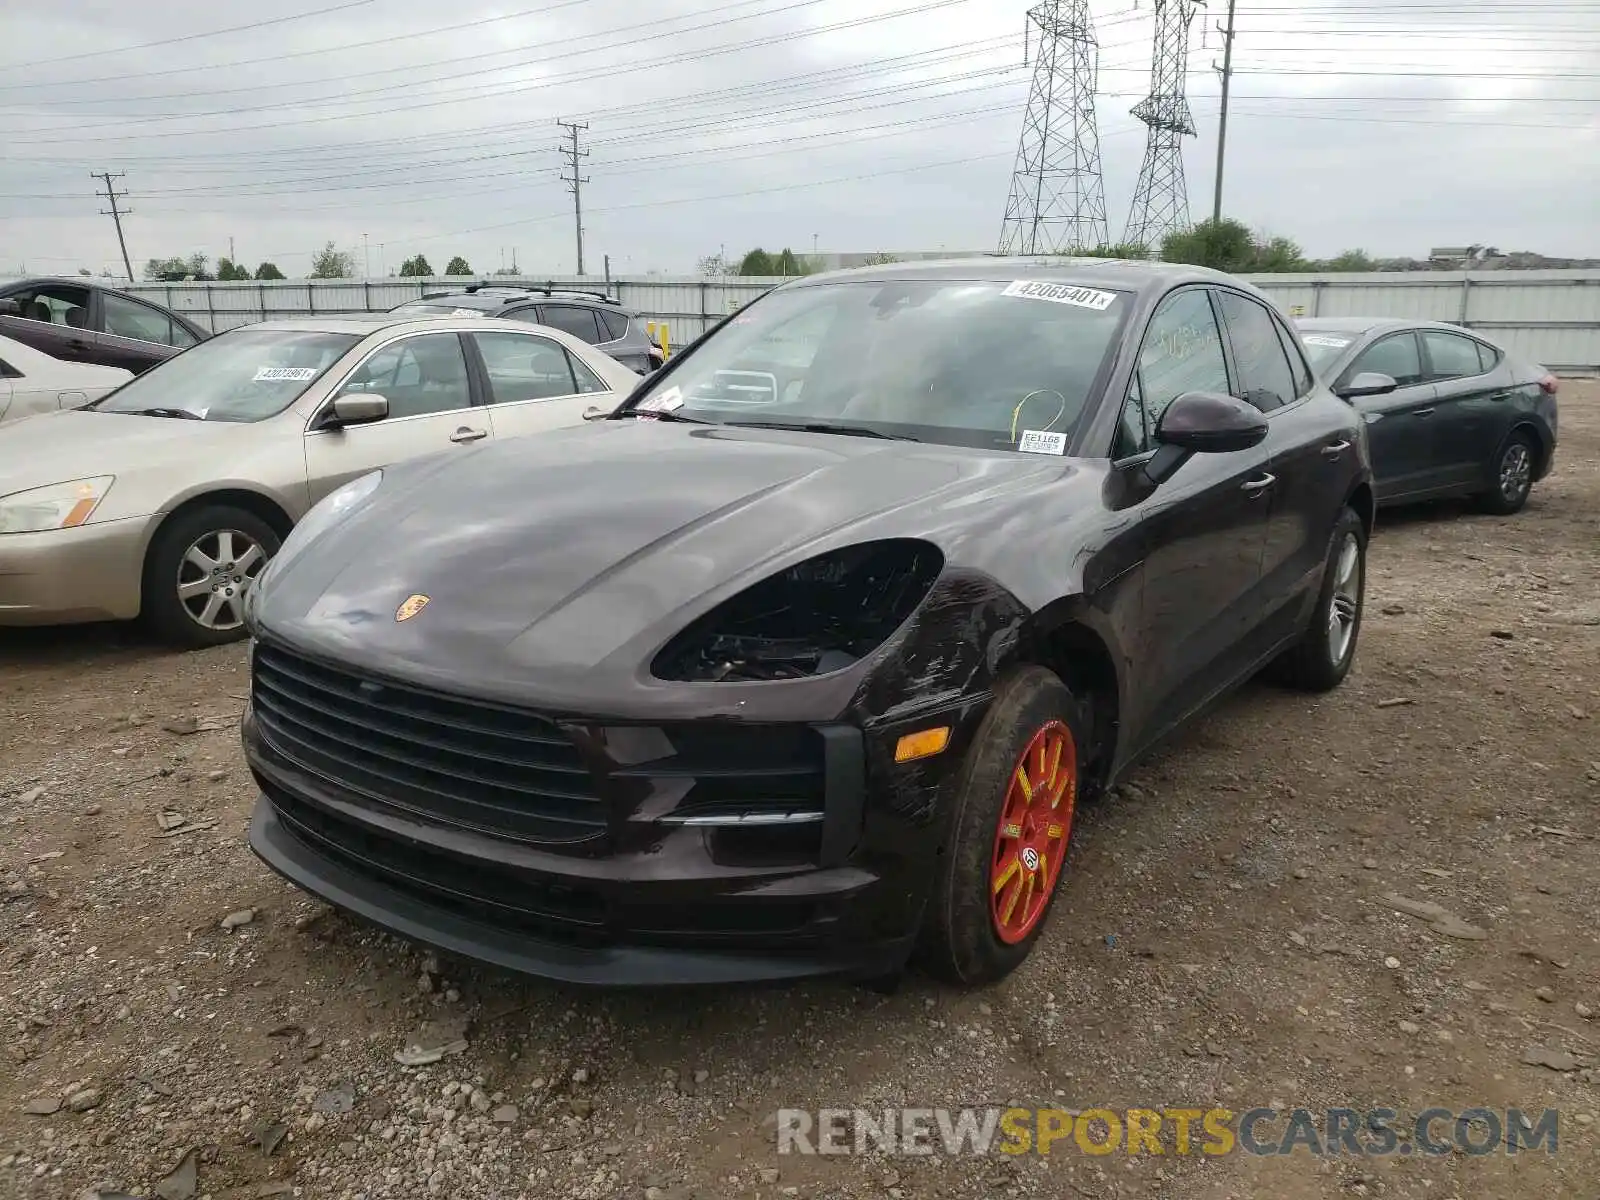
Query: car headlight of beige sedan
<point>54,506</point>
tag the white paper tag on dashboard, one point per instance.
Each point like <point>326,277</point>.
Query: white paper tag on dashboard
<point>1042,441</point>
<point>670,400</point>
<point>1330,343</point>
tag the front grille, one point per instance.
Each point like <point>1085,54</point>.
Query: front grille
<point>450,760</point>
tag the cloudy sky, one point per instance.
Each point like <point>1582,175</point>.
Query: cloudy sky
<point>394,127</point>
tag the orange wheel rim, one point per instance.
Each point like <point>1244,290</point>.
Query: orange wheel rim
<point>1030,841</point>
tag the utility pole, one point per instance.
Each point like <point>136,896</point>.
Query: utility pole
<point>573,156</point>
<point>366,259</point>
<point>1226,71</point>
<point>116,214</point>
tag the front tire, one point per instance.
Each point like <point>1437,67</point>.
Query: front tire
<point>1511,476</point>
<point>1016,794</point>
<point>197,572</point>
<point>1322,657</point>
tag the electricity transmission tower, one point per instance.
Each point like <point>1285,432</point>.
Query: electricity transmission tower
<point>575,182</point>
<point>1161,199</point>
<point>116,214</point>
<point>1057,198</point>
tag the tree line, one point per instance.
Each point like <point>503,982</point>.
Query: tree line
<point>328,263</point>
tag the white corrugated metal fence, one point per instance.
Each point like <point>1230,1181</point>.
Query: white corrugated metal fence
<point>1552,317</point>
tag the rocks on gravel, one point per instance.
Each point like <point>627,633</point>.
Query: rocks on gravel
<point>238,919</point>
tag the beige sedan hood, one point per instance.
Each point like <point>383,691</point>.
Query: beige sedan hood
<point>153,458</point>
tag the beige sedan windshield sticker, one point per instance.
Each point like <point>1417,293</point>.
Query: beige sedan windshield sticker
<point>280,374</point>
<point>1061,293</point>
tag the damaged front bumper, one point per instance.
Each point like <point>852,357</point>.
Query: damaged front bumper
<point>617,854</point>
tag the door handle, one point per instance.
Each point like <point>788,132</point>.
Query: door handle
<point>1500,397</point>
<point>1255,487</point>
<point>1425,412</point>
<point>465,434</point>
<point>1335,450</point>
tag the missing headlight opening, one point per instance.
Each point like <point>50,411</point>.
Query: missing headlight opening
<point>816,617</point>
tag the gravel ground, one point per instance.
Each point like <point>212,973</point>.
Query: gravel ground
<point>177,1022</point>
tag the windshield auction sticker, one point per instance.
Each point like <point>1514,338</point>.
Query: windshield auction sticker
<point>1042,441</point>
<point>280,374</point>
<point>670,400</point>
<point>1060,293</point>
<point>1319,339</point>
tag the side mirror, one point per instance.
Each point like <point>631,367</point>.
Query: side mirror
<point>10,308</point>
<point>1368,383</point>
<point>354,408</point>
<point>1202,423</point>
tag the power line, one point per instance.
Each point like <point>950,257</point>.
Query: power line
<point>476,90</point>
<point>188,37</point>
<point>112,196</point>
<point>289,55</point>
<point>413,80</point>
<point>574,157</point>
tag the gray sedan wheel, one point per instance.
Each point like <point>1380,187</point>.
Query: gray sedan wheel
<point>1511,476</point>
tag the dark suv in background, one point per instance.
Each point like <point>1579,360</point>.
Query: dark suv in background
<point>593,317</point>
<point>79,321</point>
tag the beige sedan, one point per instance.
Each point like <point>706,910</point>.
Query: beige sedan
<point>166,498</point>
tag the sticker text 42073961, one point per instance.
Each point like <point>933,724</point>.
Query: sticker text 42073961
<point>1061,293</point>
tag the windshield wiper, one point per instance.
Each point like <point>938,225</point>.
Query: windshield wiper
<point>823,427</point>
<point>181,414</point>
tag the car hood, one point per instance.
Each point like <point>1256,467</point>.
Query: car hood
<point>79,444</point>
<point>557,566</point>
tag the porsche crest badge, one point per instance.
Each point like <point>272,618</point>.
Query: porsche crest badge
<point>410,607</point>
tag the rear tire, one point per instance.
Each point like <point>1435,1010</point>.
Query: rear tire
<point>1001,868</point>
<point>1322,657</point>
<point>197,570</point>
<point>1510,475</point>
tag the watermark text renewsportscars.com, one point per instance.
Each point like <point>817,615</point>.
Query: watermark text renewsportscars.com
<point>1374,1132</point>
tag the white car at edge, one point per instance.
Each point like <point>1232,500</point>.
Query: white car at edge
<point>33,382</point>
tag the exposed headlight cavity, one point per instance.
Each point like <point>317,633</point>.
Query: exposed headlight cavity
<point>819,616</point>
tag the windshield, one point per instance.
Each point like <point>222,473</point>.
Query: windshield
<point>243,375</point>
<point>1323,348</point>
<point>953,361</point>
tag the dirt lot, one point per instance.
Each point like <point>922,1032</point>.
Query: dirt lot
<point>1224,941</point>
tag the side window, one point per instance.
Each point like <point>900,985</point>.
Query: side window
<point>1488,357</point>
<point>1304,380</point>
<point>417,375</point>
<point>55,304</point>
<point>588,381</point>
<point>616,325</point>
<point>1131,437</point>
<point>569,318</point>
<point>130,319</point>
<point>1452,356</point>
<point>1182,352</point>
<point>7,371</point>
<point>1395,356</point>
<point>1265,379</point>
<point>181,337</point>
<point>521,367</point>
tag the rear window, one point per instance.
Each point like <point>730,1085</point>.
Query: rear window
<point>616,324</point>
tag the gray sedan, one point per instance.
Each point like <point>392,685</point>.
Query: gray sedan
<point>1449,412</point>
<point>168,496</point>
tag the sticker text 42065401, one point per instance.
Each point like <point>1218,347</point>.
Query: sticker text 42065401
<point>1061,293</point>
